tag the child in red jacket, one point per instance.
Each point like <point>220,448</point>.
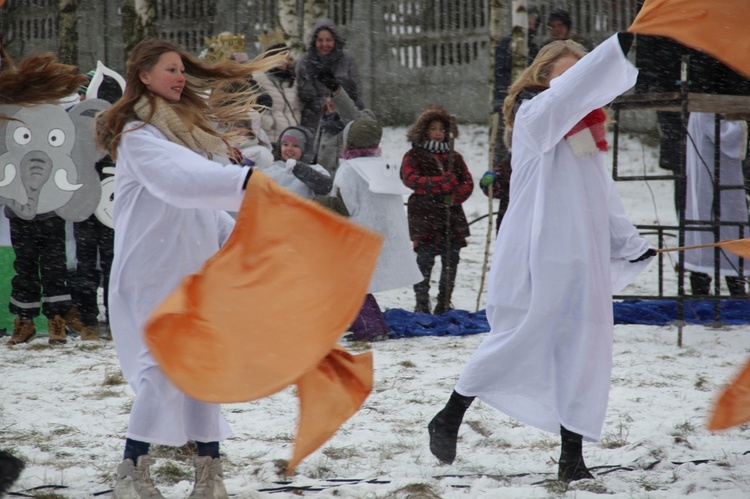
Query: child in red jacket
<point>441,183</point>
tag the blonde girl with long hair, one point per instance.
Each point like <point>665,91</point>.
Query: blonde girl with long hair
<point>174,184</point>
<point>565,245</point>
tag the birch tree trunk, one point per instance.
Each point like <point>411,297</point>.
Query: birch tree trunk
<point>138,23</point>
<point>67,18</point>
<point>289,23</point>
<point>519,38</point>
<point>314,11</point>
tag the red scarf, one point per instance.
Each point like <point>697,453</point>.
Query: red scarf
<point>589,135</point>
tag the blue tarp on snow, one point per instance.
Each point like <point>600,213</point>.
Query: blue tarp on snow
<point>404,324</point>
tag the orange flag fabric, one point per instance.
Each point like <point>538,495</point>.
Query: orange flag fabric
<point>717,27</point>
<point>733,406</point>
<point>267,311</point>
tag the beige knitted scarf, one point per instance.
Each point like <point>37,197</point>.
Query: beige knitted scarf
<point>166,119</point>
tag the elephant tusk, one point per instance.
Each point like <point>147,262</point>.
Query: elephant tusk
<point>61,181</point>
<point>9,176</point>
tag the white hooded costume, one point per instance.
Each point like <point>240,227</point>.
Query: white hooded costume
<point>699,168</point>
<point>373,194</point>
<point>169,219</point>
<point>564,246</point>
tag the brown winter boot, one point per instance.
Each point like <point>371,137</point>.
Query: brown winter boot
<point>57,334</point>
<point>90,333</point>
<point>73,320</point>
<point>23,331</point>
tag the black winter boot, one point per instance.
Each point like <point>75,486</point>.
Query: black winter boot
<point>444,427</point>
<point>736,285</point>
<point>700,283</point>
<point>571,466</point>
<point>10,469</point>
<point>443,305</point>
<point>423,303</point>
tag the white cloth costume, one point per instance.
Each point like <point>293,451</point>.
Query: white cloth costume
<point>373,194</point>
<point>562,249</point>
<point>283,176</point>
<point>169,219</point>
<point>700,191</point>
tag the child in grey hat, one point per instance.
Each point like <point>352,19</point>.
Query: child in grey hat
<point>296,169</point>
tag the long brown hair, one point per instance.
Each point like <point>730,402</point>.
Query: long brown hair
<point>537,75</point>
<point>214,93</point>
<point>37,79</point>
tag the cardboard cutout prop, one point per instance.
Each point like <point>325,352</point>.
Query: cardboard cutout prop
<point>718,27</point>
<point>105,84</point>
<point>105,210</point>
<point>267,310</point>
<point>108,85</point>
<point>44,160</point>
<point>85,155</point>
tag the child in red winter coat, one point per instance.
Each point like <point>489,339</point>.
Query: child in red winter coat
<point>441,183</point>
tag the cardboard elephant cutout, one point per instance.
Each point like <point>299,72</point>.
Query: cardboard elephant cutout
<point>47,160</point>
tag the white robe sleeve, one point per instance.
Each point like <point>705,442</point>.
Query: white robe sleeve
<point>177,175</point>
<point>555,111</point>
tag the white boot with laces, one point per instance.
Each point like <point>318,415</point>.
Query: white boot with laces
<point>134,481</point>
<point>209,479</point>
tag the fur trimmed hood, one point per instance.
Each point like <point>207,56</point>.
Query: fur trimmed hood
<point>417,134</point>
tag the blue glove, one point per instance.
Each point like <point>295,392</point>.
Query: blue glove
<point>487,179</point>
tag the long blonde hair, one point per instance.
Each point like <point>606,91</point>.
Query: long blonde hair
<point>537,75</point>
<point>216,93</point>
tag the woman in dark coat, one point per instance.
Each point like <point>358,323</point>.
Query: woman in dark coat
<point>322,69</point>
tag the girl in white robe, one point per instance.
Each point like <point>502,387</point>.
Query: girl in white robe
<point>170,217</point>
<point>699,168</point>
<point>565,245</point>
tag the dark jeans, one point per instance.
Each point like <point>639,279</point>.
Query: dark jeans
<point>94,253</point>
<point>41,279</point>
<point>426,254</point>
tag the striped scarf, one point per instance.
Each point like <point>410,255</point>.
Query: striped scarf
<point>434,147</point>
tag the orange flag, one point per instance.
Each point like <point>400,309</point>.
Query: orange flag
<point>717,27</point>
<point>267,311</point>
<point>733,406</point>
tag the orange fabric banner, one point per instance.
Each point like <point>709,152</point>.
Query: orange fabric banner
<point>717,27</point>
<point>733,406</point>
<point>268,309</point>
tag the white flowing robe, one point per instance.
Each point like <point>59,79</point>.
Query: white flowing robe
<point>169,219</point>
<point>375,200</point>
<point>699,168</point>
<point>562,249</point>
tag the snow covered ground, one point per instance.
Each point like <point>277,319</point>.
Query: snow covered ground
<point>64,410</point>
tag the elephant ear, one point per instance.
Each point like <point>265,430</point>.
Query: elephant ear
<point>85,155</point>
<point>106,84</point>
<point>6,115</point>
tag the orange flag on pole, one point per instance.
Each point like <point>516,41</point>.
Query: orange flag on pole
<point>268,309</point>
<point>717,27</point>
